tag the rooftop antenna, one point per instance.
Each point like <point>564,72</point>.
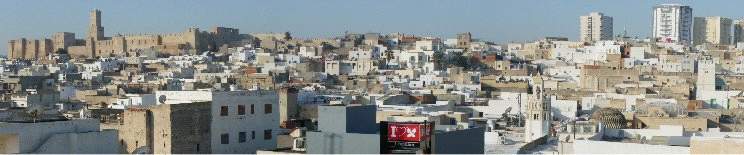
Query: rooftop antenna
<point>625,32</point>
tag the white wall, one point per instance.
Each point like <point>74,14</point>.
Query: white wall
<point>105,142</point>
<point>664,130</point>
<point>233,124</point>
<point>605,147</point>
<point>563,109</point>
<point>497,107</point>
<point>32,135</point>
<point>176,97</point>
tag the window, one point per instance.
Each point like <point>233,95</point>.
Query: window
<point>267,108</point>
<point>253,134</point>
<point>223,111</point>
<point>241,137</point>
<point>225,138</point>
<point>197,147</point>
<point>252,109</point>
<point>241,110</point>
<point>267,134</point>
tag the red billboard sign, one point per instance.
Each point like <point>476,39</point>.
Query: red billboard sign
<point>405,132</point>
<point>405,137</point>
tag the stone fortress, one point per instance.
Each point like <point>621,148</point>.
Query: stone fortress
<point>95,44</point>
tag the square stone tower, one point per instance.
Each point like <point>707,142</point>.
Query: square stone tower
<point>95,30</point>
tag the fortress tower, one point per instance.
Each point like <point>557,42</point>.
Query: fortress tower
<point>95,30</point>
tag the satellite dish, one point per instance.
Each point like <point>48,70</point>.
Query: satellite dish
<point>161,99</point>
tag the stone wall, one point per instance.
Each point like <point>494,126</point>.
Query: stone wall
<point>598,78</point>
<point>191,40</point>
<point>135,130</point>
<point>266,82</point>
<point>29,49</point>
<point>689,124</point>
<point>716,145</point>
<point>181,128</point>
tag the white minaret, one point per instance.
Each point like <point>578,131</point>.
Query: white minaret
<point>706,79</point>
<point>538,114</point>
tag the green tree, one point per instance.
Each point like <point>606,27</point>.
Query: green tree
<point>438,58</point>
<point>60,51</point>
<point>458,59</point>
<point>474,62</point>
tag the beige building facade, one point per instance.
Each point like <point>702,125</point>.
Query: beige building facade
<point>738,31</point>
<point>595,27</point>
<point>712,30</point>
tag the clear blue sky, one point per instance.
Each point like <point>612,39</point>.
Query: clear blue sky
<point>496,20</point>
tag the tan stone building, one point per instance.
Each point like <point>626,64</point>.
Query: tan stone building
<point>135,131</point>
<point>712,30</point>
<point>95,44</point>
<point>463,40</point>
<point>689,124</point>
<point>595,27</point>
<point>166,129</point>
<point>604,78</point>
<point>256,80</point>
<point>288,107</point>
<point>29,49</point>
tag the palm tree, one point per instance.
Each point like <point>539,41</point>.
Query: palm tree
<point>35,114</point>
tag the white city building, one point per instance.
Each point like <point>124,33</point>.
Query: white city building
<point>595,26</point>
<point>78,136</point>
<point>672,23</point>
<point>242,121</point>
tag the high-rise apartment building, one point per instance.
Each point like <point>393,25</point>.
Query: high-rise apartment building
<point>712,30</point>
<point>595,27</point>
<point>738,31</point>
<point>672,23</point>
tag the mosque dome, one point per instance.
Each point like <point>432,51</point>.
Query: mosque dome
<point>610,117</point>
